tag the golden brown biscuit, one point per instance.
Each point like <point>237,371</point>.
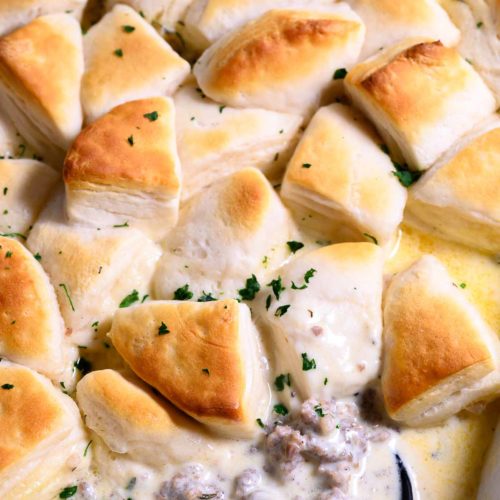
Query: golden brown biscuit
<point>421,96</point>
<point>126,59</point>
<point>440,355</point>
<point>41,65</point>
<point>40,430</point>
<point>203,357</point>
<point>124,167</point>
<point>283,61</point>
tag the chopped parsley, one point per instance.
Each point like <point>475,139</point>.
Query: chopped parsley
<point>276,156</point>
<point>463,285</point>
<point>14,235</point>
<point>295,287</point>
<point>221,109</point>
<point>152,117</point>
<point>294,246</point>
<point>277,287</point>
<point>306,165</point>
<point>87,448</point>
<point>7,387</point>
<point>125,224</point>
<point>8,254</point>
<point>281,380</point>
<point>38,257</point>
<point>95,325</point>
<point>207,496</point>
<point>132,297</point>
<point>128,29</point>
<point>405,176</point>
<point>260,423</point>
<point>280,409</point>
<point>307,276</point>
<point>68,492</point>
<point>282,310</point>
<point>307,364</point>
<point>385,149</point>
<point>268,302</point>
<point>183,293</point>
<point>118,53</point>
<point>370,237</point>
<point>251,289</point>
<point>131,484</point>
<point>83,365</point>
<point>340,74</point>
<point>65,288</point>
<point>144,298</point>
<point>319,411</point>
<point>325,381</point>
<point>206,297</point>
<point>5,190</point>
<point>206,370</point>
<point>163,329</point>
<point>130,140</point>
<point>479,25</point>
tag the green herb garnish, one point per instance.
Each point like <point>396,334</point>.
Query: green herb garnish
<point>68,492</point>
<point>340,74</point>
<point>65,288</point>
<point>152,117</point>
<point>294,246</point>
<point>308,364</point>
<point>280,409</point>
<point>281,380</point>
<point>251,289</point>
<point>183,293</point>
<point>282,310</point>
<point>163,329</point>
<point>132,297</point>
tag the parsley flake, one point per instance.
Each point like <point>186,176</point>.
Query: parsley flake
<point>206,370</point>
<point>8,254</point>
<point>463,285</point>
<point>125,224</point>
<point>206,297</point>
<point>277,287</point>
<point>479,25</point>
<point>340,74</point>
<point>128,29</point>
<point>319,411</point>
<point>118,53</point>
<point>183,293</point>
<point>251,289</point>
<point>83,365</point>
<point>260,423</point>
<point>306,165</point>
<point>131,484</point>
<point>307,364</point>
<point>282,310</point>
<point>325,381</point>
<point>14,235</point>
<point>405,176</point>
<point>281,380</point>
<point>163,329</point>
<point>38,257</point>
<point>309,274</point>
<point>65,288</point>
<point>130,140</point>
<point>280,409</point>
<point>68,492</point>
<point>268,302</point>
<point>294,246</point>
<point>370,237</point>
<point>87,448</point>
<point>5,190</point>
<point>152,117</point>
<point>132,297</point>
<point>7,387</point>
<point>221,108</point>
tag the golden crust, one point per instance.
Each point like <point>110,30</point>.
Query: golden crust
<point>129,402</point>
<point>245,201</point>
<point>201,337</point>
<point>102,153</point>
<point>413,87</point>
<point>27,318</point>
<point>473,174</point>
<point>260,53</point>
<point>29,414</point>
<point>43,64</point>
<point>428,339</point>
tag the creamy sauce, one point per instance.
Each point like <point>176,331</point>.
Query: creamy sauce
<point>443,462</point>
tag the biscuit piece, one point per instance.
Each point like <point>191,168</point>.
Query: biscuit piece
<point>284,60</point>
<point>422,97</point>
<point>479,23</point>
<point>339,173</point>
<point>488,488</point>
<point>40,431</point>
<point>41,65</point>
<point>126,59</point>
<point>124,167</point>
<point>25,186</point>
<point>235,228</point>
<point>326,325</point>
<point>403,19</point>
<point>208,20</point>
<point>440,355</point>
<point>203,357</point>
<point>215,141</point>
<point>131,419</point>
<point>31,327</point>
<point>93,270</point>
<point>17,13</point>
<point>458,198</point>
<point>164,14</point>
